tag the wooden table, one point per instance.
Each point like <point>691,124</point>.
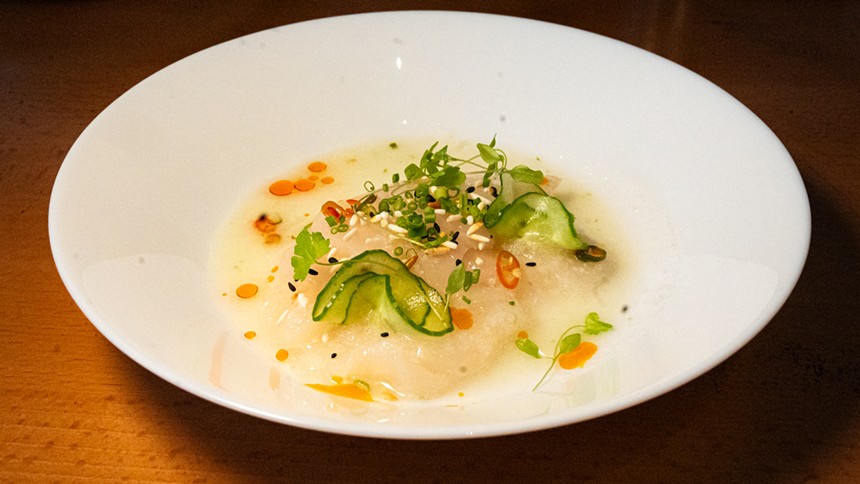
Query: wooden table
<point>786,408</point>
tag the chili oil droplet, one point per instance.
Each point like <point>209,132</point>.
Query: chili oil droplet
<point>247,290</point>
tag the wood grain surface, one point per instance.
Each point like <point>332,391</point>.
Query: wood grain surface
<point>786,408</point>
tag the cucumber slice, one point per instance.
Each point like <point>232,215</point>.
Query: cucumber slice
<point>373,296</point>
<point>373,280</point>
<point>337,304</point>
<point>539,216</point>
<point>511,189</point>
<point>438,319</point>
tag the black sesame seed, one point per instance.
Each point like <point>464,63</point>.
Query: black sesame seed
<point>313,272</point>
<point>436,226</point>
<point>494,192</point>
<point>332,260</point>
<point>384,335</point>
<point>624,308</point>
<point>531,264</point>
<point>334,355</point>
<point>458,262</point>
<point>470,189</point>
<point>454,236</point>
<point>292,287</point>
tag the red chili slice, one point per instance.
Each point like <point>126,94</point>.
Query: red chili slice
<point>332,209</point>
<point>508,269</point>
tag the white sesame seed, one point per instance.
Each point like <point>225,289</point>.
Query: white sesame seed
<point>452,217</point>
<point>384,222</point>
<point>439,211</point>
<point>479,238</point>
<point>478,261</point>
<point>353,221</point>
<point>349,234</point>
<point>449,244</point>
<point>398,213</point>
<point>437,250</point>
<point>474,228</point>
<point>480,246</point>
<point>470,220</point>
<point>303,300</point>
<point>397,229</point>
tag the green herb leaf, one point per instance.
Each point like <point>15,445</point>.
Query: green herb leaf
<point>593,324</point>
<point>488,153</point>
<point>412,172</point>
<point>568,343</point>
<point>310,246</point>
<point>431,161</point>
<point>456,279</point>
<point>528,347</point>
<point>450,177</point>
<point>494,212</point>
<point>472,277</point>
<point>525,174</point>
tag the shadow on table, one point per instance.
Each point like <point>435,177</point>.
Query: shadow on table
<point>778,408</point>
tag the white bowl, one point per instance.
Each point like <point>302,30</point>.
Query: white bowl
<point>707,194</point>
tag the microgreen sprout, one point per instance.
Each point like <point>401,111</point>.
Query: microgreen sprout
<point>461,280</point>
<point>567,342</point>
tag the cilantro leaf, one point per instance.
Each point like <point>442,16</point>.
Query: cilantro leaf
<point>593,324</point>
<point>310,246</point>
